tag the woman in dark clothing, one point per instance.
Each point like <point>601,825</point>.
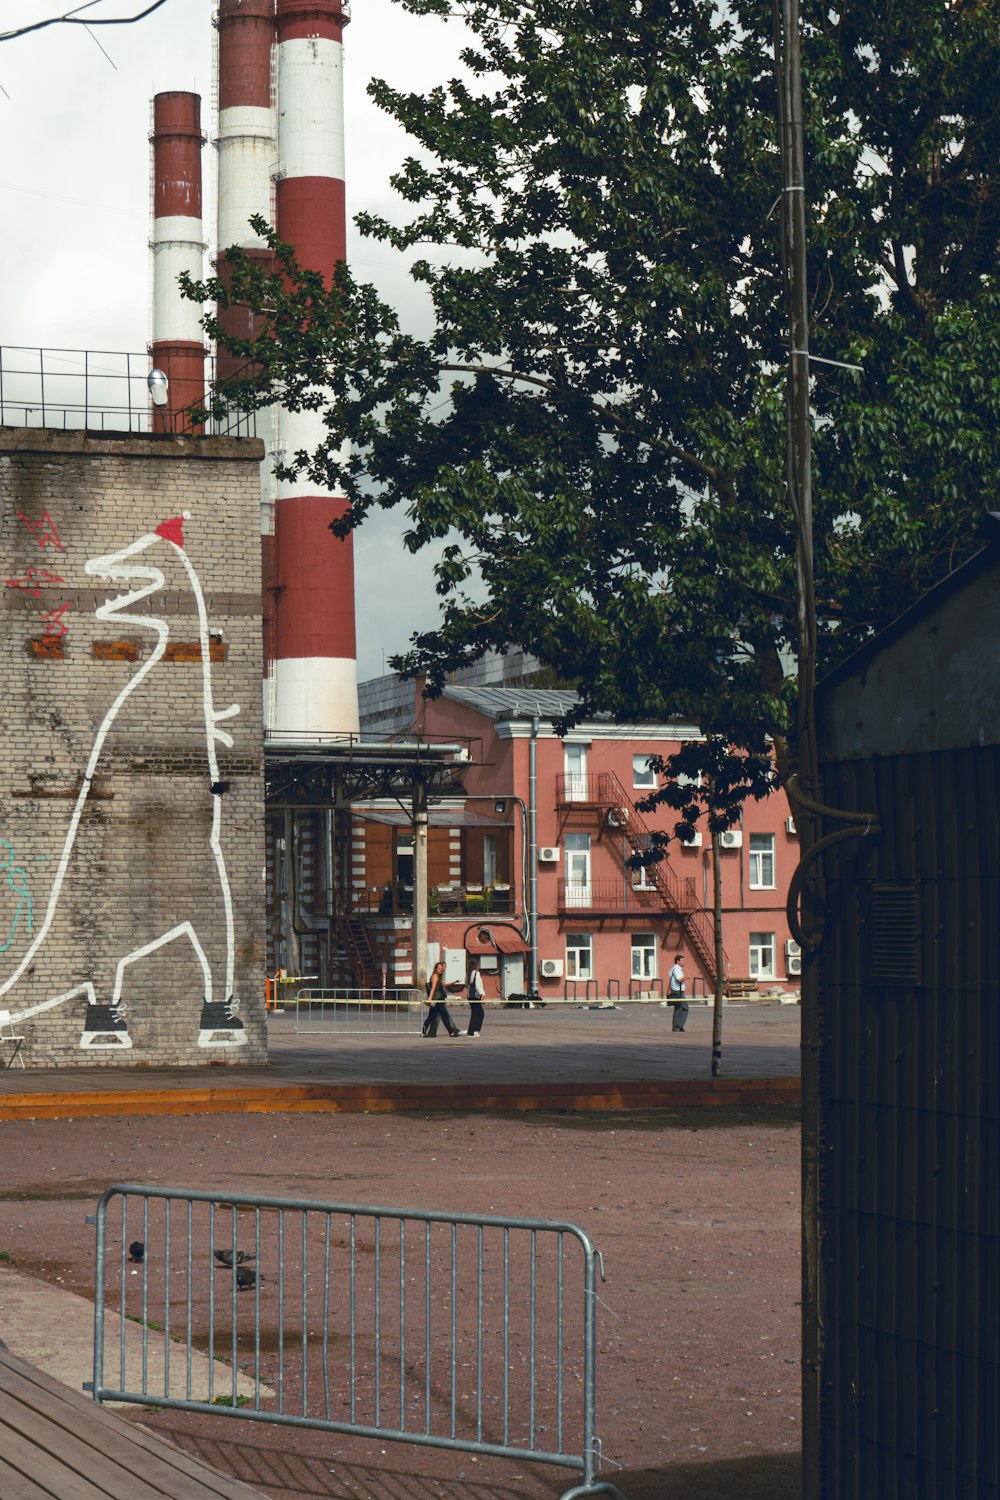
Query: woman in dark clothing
<point>476,1012</point>
<point>437,1009</point>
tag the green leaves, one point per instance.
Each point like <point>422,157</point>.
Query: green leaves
<point>598,411</point>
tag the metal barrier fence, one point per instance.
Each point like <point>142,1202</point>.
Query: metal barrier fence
<point>453,1331</point>
<point>397,1012</point>
<point>588,994</point>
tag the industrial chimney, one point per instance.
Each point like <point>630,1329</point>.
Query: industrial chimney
<point>313,674</point>
<point>246,146</point>
<point>178,244</point>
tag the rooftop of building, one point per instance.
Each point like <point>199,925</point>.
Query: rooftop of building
<point>515,702</point>
<point>520,705</point>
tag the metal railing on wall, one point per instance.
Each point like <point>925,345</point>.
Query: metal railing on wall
<point>98,390</point>
<point>458,1331</point>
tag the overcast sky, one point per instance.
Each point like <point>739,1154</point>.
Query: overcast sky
<point>75,176</point>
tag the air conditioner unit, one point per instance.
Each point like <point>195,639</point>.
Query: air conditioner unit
<point>617,817</point>
<point>792,949</point>
<point>552,968</point>
<point>693,841</point>
<point>548,856</point>
<point>731,838</point>
<point>790,825</point>
<point>795,964</point>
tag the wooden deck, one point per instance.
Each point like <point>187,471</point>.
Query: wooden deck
<point>58,1444</point>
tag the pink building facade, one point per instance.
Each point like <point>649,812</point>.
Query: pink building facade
<point>534,851</point>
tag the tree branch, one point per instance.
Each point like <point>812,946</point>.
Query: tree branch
<point>721,481</point>
<point>73,18</point>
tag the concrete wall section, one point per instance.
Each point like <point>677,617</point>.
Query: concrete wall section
<point>131,789</point>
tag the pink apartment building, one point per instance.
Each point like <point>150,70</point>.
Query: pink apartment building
<point>527,863</point>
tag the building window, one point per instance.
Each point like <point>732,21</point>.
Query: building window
<point>575,763</point>
<point>489,858</point>
<point>577,869</point>
<point>579,955</point>
<point>404,858</point>
<point>643,955</point>
<point>762,955</point>
<point>642,879</point>
<point>762,861</point>
<point>642,772</point>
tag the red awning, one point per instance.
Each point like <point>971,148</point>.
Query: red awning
<point>508,940</point>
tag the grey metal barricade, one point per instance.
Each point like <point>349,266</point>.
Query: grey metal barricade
<point>387,1012</point>
<point>460,1334</point>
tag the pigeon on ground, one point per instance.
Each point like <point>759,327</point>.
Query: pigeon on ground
<point>232,1257</point>
<point>137,1252</point>
<point>245,1278</point>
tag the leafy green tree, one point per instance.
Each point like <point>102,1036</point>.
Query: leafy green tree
<point>593,431</point>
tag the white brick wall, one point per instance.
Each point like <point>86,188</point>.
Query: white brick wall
<point>141,862</point>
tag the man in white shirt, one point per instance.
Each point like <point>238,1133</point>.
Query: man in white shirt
<point>476,1011</point>
<point>675,994</point>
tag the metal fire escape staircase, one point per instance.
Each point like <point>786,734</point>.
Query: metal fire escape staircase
<point>357,945</point>
<point>677,897</point>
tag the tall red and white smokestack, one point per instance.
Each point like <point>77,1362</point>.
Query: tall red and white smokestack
<point>245,143</point>
<point>247,148</point>
<point>178,244</point>
<point>314,671</point>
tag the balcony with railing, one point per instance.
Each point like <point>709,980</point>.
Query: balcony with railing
<point>101,390</point>
<point>619,897</point>
<point>395,899</point>
<point>591,789</point>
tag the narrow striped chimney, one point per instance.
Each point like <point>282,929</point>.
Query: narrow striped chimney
<point>178,244</point>
<point>245,144</point>
<point>313,676</point>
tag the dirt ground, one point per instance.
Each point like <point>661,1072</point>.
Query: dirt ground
<point>698,1329</point>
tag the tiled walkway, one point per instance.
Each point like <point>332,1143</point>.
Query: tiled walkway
<point>548,1058</point>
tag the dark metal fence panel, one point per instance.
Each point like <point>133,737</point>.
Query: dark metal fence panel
<point>475,1333</point>
<point>910,1132</point>
<point>97,390</point>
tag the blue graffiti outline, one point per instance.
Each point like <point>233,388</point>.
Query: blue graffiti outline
<point>20,890</point>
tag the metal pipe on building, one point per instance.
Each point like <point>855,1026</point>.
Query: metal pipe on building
<point>313,673</point>
<point>178,244</point>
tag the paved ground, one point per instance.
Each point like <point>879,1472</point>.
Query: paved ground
<point>696,1212</point>
<point>555,1044</point>
<point>698,1324</point>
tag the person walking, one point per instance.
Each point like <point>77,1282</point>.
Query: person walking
<point>476,992</point>
<point>675,994</point>
<point>437,1008</point>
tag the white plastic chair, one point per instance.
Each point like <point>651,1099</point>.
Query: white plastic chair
<point>8,1037</point>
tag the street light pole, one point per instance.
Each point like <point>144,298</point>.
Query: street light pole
<point>487,935</point>
<point>788,61</point>
<point>419,813</point>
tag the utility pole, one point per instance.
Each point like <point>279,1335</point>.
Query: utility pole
<point>788,63</point>
<point>720,957</point>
